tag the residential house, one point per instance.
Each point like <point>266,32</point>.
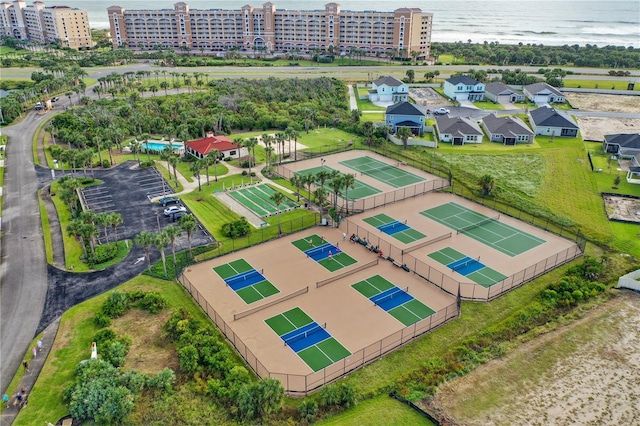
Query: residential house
<point>462,88</point>
<point>547,121</point>
<point>543,93</point>
<point>458,130</point>
<point>508,130</point>
<point>389,89</point>
<point>501,93</point>
<point>627,146</point>
<point>200,148</point>
<point>406,114</point>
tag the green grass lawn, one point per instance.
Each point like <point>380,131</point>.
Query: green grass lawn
<point>597,84</point>
<point>72,247</point>
<point>73,344</point>
<point>379,411</point>
<point>488,105</point>
<point>366,105</point>
<point>373,116</point>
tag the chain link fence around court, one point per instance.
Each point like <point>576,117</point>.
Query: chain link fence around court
<point>373,201</point>
<point>303,384</point>
<point>468,290</point>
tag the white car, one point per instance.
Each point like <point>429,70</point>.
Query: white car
<point>441,111</point>
<point>174,209</point>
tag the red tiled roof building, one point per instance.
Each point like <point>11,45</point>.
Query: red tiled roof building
<point>200,148</point>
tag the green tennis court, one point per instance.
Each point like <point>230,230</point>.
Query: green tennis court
<point>318,349</point>
<point>482,275</point>
<point>359,190</point>
<point>487,230</point>
<point>408,312</point>
<point>333,262</point>
<point>257,288</point>
<point>398,230</point>
<point>258,199</point>
<point>379,170</point>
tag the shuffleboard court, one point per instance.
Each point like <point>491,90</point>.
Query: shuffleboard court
<point>307,338</point>
<point>326,254</point>
<point>398,230</point>
<point>359,190</point>
<point>467,266</point>
<point>390,174</point>
<point>487,230</point>
<point>394,300</point>
<point>246,281</point>
<point>258,200</point>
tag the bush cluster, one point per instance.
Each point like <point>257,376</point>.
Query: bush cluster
<point>118,303</point>
<point>577,285</point>
<point>236,229</point>
<point>201,352</point>
<point>105,252</point>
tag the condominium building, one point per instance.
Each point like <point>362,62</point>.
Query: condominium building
<point>36,22</point>
<point>402,31</point>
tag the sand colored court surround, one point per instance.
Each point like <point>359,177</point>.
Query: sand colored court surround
<point>309,282</point>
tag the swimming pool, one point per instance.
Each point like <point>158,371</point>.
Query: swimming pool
<point>159,146</point>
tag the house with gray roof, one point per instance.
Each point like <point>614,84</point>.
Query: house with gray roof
<point>406,114</point>
<point>546,121</point>
<point>389,89</point>
<point>543,93</point>
<point>501,93</point>
<point>463,88</point>
<point>507,130</point>
<point>458,130</point>
<point>625,145</point>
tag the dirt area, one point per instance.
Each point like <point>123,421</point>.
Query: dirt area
<point>150,352</point>
<point>599,102</point>
<point>426,96</point>
<point>622,208</point>
<point>582,374</point>
<point>594,128</point>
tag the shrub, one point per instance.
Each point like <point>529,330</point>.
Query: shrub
<point>134,381</point>
<point>188,357</point>
<point>106,252</point>
<point>116,305</point>
<point>308,410</point>
<point>115,352</point>
<point>103,336</point>
<point>101,320</point>
<point>152,302</point>
<point>236,229</point>
<point>164,380</point>
<point>106,164</point>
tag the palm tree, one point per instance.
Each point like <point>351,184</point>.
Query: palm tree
<point>115,219</point>
<point>146,240</point>
<point>404,133</point>
<point>320,195</point>
<point>188,224</point>
<point>165,154</point>
<point>487,184</point>
<point>336,184</point>
<point>349,181</point>
<point>278,198</point>
<point>309,180</point>
<point>295,135</point>
<point>173,160</point>
<point>207,162</point>
<point>322,176</point>
<point>104,220</point>
<point>135,148</point>
<point>160,241</point>
<point>172,232</point>
<point>145,138</point>
<point>297,181</point>
<point>250,144</point>
<point>196,169</point>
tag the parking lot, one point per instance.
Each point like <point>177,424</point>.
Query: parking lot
<point>128,190</point>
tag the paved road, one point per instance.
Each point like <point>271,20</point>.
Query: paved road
<point>23,266</point>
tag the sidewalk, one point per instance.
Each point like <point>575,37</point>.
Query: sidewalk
<point>29,378</point>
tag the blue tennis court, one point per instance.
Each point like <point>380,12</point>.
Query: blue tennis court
<point>465,265</point>
<point>246,281</point>
<point>326,254</point>
<point>394,300</point>
<point>306,336</point>
<point>398,230</point>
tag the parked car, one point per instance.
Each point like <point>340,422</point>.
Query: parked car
<point>173,210</point>
<point>54,99</point>
<point>168,200</point>
<point>441,111</point>
<point>176,216</point>
<point>38,106</point>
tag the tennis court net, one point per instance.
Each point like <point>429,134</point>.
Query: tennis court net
<point>479,223</point>
<point>464,264</point>
<point>396,293</point>
<point>304,334</point>
<point>375,170</point>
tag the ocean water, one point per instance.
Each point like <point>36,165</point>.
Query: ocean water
<point>550,22</point>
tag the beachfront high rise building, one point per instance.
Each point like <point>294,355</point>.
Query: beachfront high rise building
<point>41,24</point>
<point>400,32</point>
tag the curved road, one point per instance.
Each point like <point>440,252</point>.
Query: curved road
<point>23,266</point>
